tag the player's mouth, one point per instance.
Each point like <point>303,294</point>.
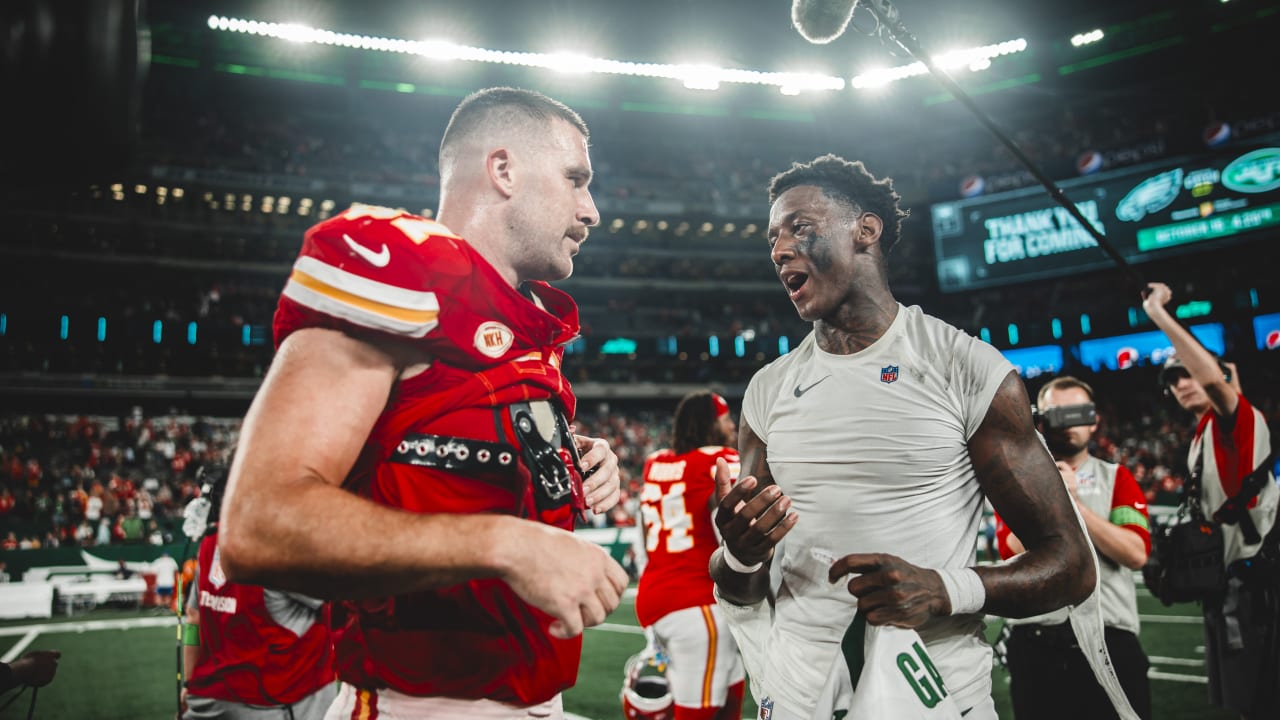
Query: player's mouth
<point>794,281</point>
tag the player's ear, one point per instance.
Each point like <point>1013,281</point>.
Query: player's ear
<point>867,230</point>
<point>498,167</point>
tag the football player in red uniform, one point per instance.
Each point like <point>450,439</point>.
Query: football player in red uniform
<point>409,452</point>
<point>704,670</point>
<point>248,651</point>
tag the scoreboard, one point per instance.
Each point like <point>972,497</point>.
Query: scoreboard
<point>1147,212</point>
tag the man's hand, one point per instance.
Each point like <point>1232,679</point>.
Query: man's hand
<point>1157,296</point>
<point>750,525</point>
<point>36,668</point>
<point>573,580</point>
<point>603,487</point>
<point>892,591</point>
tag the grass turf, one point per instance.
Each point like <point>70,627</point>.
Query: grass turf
<point>129,673</point>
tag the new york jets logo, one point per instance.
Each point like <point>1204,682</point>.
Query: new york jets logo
<point>1254,172</point>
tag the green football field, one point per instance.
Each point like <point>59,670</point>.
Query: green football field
<point>121,664</point>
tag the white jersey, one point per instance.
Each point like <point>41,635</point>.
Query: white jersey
<point>872,450</point>
<point>877,672</point>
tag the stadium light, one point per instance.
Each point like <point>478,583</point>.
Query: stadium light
<point>700,77</point>
<point>975,59</point>
<point>1092,36</point>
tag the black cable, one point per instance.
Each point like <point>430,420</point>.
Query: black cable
<point>31,709</point>
<point>892,28</point>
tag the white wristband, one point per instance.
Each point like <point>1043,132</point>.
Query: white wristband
<point>964,590</point>
<point>737,565</point>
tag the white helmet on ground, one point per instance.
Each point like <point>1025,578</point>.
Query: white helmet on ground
<point>645,692</point>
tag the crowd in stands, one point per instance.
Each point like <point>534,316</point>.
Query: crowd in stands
<point>698,161</point>
<point>93,480</point>
<point>85,481</point>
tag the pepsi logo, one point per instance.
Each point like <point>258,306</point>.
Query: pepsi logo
<point>1089,162</point>
<point>972,186</point>
<point>1216,133</point>
<point>1126,357</point>
<point>1273,340</point>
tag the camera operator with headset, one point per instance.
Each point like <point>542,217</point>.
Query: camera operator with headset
<point>248,652</point>
<point>1232,492</point>
<point>1049,675</point>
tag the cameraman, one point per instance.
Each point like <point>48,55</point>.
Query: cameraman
<point>1049,675</point>
<point>1231,445</point>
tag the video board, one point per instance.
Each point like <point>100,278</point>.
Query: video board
<point>1035,361</point>
<point>1146,212</point>
<point>1266,330</point>
<point>1122,352</point>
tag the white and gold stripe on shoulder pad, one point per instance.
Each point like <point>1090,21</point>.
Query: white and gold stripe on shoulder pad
<point>359,300</point>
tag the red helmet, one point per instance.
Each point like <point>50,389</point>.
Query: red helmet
<point>645,692</point>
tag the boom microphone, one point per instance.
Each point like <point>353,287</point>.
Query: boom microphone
<point>821,21</point>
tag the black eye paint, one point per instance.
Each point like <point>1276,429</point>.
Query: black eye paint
<point>818,249</point>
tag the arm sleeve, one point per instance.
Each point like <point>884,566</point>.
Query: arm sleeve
<point>1129,506</point>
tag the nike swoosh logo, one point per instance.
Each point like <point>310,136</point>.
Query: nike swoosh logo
<point>801,391</point>
<point>376,259</point>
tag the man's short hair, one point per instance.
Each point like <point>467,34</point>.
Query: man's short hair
<point>1063,382</point>
<point>849,183</point>
<point>503,107</point>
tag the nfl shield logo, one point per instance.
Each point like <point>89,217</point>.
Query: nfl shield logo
<point>889,374</point>
<point>766,708</point>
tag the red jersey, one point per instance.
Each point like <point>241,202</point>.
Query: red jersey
<point>679,533</point>
<point>388,276</point>
<point>247,655</point>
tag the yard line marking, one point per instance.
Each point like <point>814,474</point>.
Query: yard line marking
<point>1175,677</point>
<point>1185,662</point>
<point>122,624</point>
<point>1175,619</point>
<point>21,645</point>
<point>615,627</point>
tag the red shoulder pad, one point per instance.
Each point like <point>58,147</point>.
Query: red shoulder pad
<point>371,267</point>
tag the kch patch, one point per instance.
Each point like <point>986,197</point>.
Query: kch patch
<point>493,339</point>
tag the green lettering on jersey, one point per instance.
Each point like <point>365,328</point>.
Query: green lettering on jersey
<point>930,667</point>
<point>922,683</point>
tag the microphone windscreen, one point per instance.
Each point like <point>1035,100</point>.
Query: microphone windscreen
<point>821,21</point>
